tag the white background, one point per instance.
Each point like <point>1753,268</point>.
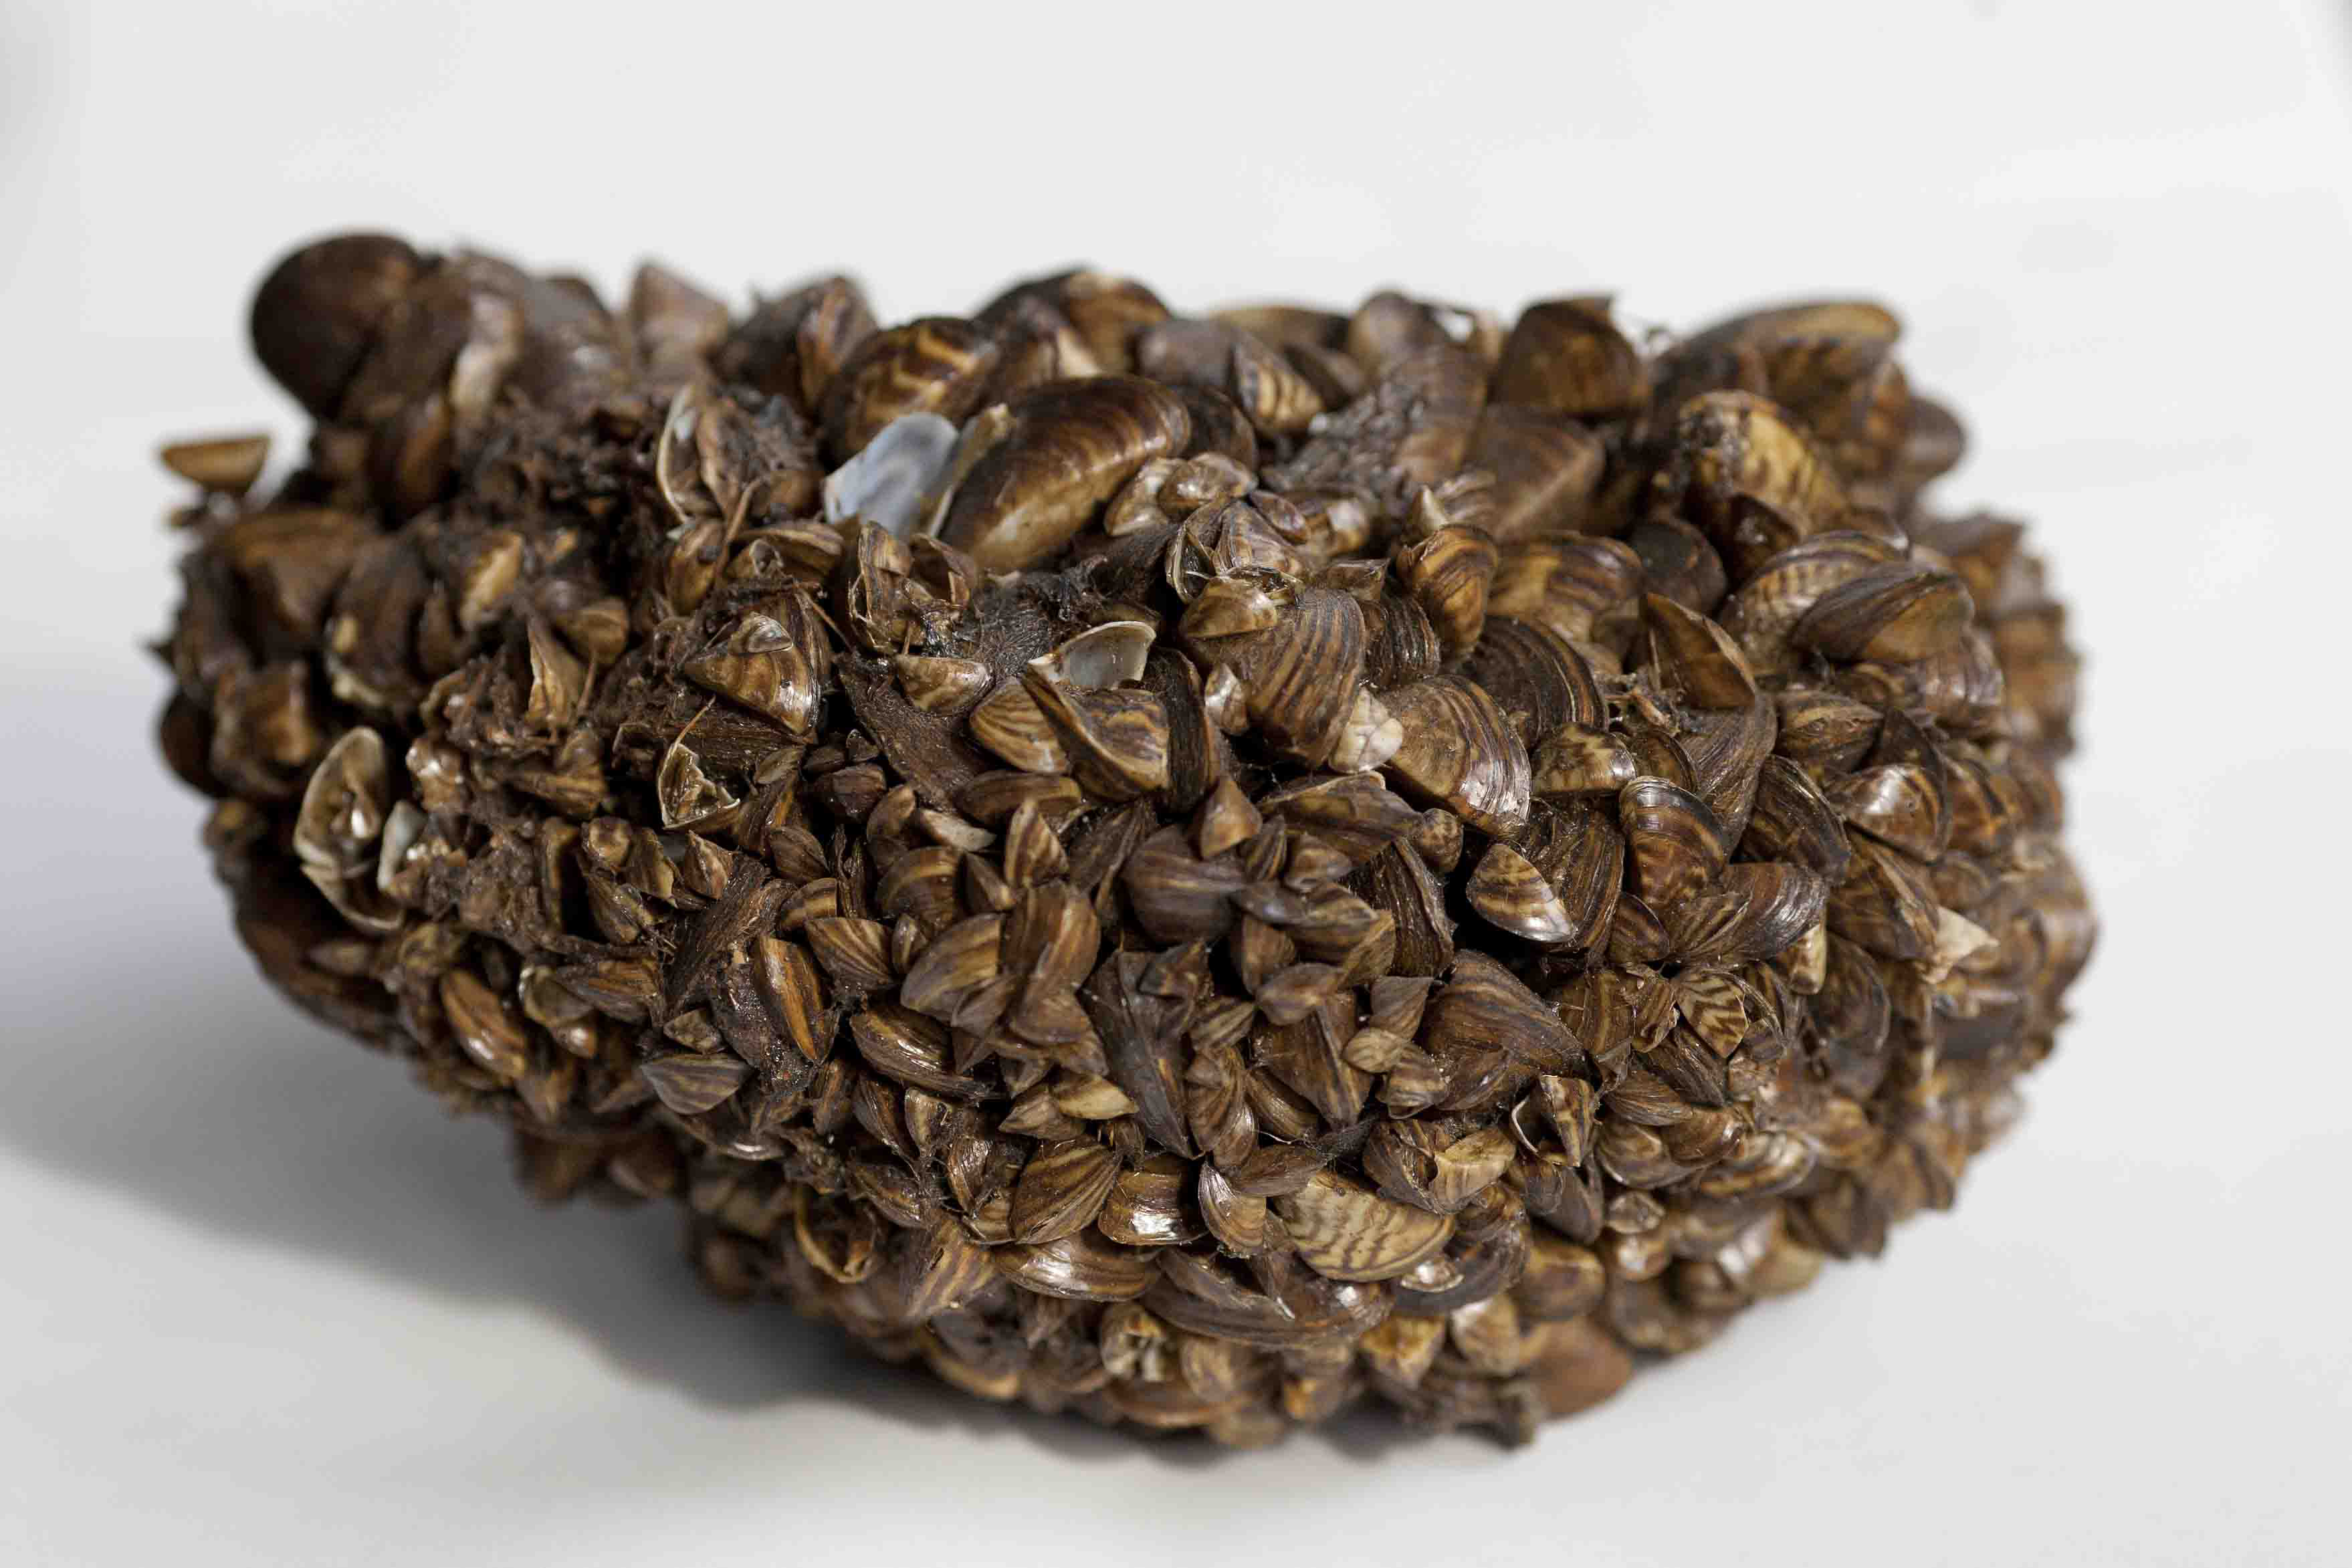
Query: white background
<point>260,1303</point>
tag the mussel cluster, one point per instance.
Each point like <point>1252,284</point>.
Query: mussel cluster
<point>1191,869</point>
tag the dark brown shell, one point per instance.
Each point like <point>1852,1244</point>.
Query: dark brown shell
<point>316,315</point>
<point>1545,467</point>
<point>1565,357</point>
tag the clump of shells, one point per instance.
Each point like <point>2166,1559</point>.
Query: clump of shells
<point>1188,869</point>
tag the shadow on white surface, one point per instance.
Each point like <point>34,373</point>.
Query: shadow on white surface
<point>266,1129</point>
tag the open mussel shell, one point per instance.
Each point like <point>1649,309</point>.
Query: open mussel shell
<point>894,478</point>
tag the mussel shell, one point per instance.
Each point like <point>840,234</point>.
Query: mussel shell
<point>1390,327</point>
<point>1884,904</point>
<point>1401,646</point>
<point>1538,681</point>
<point>1725,747</point>
<point>1793,821</point>
<point>316,315</point>
<point>1106,310</point>
<point>1566,357</point>
<point>1461,752</point>
<point>1902,804</point>
<point>793,346</point>
<point>1676,847</point>
<point>935,364</point>
<point>1511,893</point>
<point>1693,658</point>
<point>1546,468</point>
<point>1301,675</point>
<point>1581,760</point>
<point>1583,588</point>
<point>1447,575</point>
<point>1579,851</point>
<point>1901,611</point>
<point>1767,607</point>
<point>1824,732</point>
<point>1072,446</point>
<point>1751,478</point>
<point>1679,562</point>
<point>1218,427</point>
<point>1846,1021</point>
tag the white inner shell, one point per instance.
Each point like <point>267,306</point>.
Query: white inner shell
<point>890,481</point>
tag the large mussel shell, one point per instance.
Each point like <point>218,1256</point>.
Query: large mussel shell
<point>1884,904</point>
<point>1072,446</point>
<point>1830,363</point>
<point>1347,1232</point>
<point>1401,646</point>
<point>316,315</point>
<point>1693,658</point>
<point>1511,893</point>
<point>1301,675</point>
<point>1824,732</point>
<point>1390,327</point>
<point>1566,357</point>
<point>1447,575</point>
<point>1901,804</point>
<point>1679,562</point>
<point>1725,747</point>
